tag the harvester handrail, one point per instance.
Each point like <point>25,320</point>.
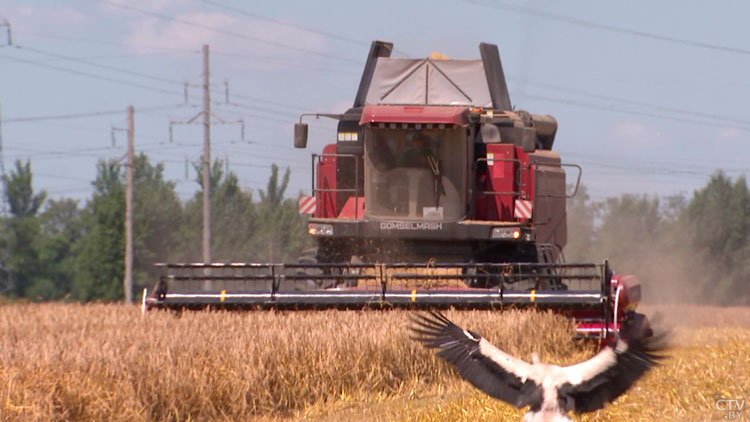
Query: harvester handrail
<point>537,164</point>
<point>487,160</point>
<point>316,190</point>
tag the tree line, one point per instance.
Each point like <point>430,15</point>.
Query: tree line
<point>683,248</point>
<point>64,250</point>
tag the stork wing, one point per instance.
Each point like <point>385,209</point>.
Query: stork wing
<point>601,379</point>
<point>480,363</point>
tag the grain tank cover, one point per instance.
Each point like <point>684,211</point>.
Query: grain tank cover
<point>397,81</point>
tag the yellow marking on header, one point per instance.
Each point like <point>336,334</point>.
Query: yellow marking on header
<point>223,295</point>
<point>414,295</point>
<point>533,295</point>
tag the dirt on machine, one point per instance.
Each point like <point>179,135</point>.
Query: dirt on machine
<point>436,193</point>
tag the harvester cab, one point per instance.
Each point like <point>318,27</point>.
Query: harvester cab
<point>432,164</point>
<point>435,193</point>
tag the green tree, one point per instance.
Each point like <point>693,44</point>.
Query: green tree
<point>99,261</point>
<point>281,234</point>
<point>627,222</point>
<point>581,216</point>
<point>23,226</point>
<point>233,220</point>
<point>634,232</point>
<point>241,229</point>
<point>156,218</point>
<point>60,230</point>
<point>157,213</point>
<point>719,221</point>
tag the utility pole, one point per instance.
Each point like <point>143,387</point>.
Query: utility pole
<point>5,23</point>
<point>206,159</point>
<point>207,116</point>
<point>7,283</point>
<point>127,283</point>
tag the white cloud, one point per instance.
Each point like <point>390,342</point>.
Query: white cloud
<point>25,11</point>
<point>224,33</point>
<point>152,33</point>
<point>341,106</point>
<point>733,133</point>
<point>632,133</point>
<point>46,19</point>
<point>150,5</point>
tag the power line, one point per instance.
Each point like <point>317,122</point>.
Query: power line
<point>101,57</point>
<point>641,103</point>
<point>154,50</point>
<point>93,76</point>
<point>299,27</point>
<point>60,176</point>
<point>606,107</point>
<point>62,116</point>
<point>227,32</point>
<point>257,108</point>
<point>285,63</point>
<point>156,78</point>
<point>147,76</point>
<point>287,24</point>
<point>81,115</point>
<point>603,27</point>
<point>101,66</point>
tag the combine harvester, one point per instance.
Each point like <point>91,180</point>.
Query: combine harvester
<point>436,194</point>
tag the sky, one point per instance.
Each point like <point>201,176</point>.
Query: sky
<point>650,97</point>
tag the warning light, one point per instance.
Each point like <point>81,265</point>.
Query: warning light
<point>506,233</point>
<point>316,229</point>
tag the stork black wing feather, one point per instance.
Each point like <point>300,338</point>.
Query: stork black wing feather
<point>604,388</point>
<point>462,350</point>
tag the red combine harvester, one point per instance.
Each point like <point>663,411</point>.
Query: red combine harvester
<point>435,194</point>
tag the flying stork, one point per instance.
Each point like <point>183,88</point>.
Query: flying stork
<point>550,391</point>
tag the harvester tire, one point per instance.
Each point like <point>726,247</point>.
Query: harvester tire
<point>636,326</point>
<point>310,256</point>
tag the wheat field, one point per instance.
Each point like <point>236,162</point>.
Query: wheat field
<point>102,362</point>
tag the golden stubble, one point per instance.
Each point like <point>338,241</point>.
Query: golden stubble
<point>108,362</point>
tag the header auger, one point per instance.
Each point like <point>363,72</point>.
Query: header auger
<point>435,194</point>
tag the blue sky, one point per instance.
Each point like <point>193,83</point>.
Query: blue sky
<point>650,97</point>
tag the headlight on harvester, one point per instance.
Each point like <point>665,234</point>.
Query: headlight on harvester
<point>317,229</point>
<point>506,233</point>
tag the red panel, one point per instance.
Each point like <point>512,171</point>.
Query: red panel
<point>353,211</point>
<point>630,294</point>
<point>415,114</point>
<point>500,177</point>
<point>527,175</point>
<point>526,187</point>
<point>326,179</point>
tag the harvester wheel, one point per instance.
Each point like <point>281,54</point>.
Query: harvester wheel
<point>310,256</point>
<point>636,326</point>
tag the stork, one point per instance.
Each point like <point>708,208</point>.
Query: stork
<point>550,391</point>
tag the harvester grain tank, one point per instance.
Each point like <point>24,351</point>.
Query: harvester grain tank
<point>436,193</point>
